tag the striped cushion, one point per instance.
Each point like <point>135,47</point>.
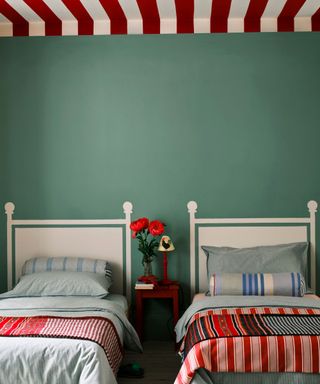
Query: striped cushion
<point>257,284</point>
<point>69,264</point>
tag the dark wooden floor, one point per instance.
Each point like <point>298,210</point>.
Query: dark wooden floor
<point>159,360</point>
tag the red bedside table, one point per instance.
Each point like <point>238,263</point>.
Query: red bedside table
<point>159,292</point>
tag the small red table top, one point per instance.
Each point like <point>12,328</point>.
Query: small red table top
<point>160,290</point>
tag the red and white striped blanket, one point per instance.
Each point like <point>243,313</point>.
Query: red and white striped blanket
<point>97,329</point>
<point>251,340</point>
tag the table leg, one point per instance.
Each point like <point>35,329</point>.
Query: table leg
<point>139,315</point>
<point>175,308</point>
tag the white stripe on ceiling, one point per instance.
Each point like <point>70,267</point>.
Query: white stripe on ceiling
<point>36,24</point>
<point>238,9</point>
<point>268,24</point>
<point>95,9</point>
<point>274,8</point>
<point>60,10</point>
<point>6,27</point>
<point>237,13</point>
<point>302,24</point>
<point>202,15</point>
<point>133,15</point>
<point>309,8</point>
<point>202,9</point>
<point>269,18</point>
<point>101,21</point>
<point>168,16</point>
<point>101,27</point>
<point>302,20</point>
<point>69,28</point>
<point>24,10</point>
<point>37,28</point>
<point>69,23</point>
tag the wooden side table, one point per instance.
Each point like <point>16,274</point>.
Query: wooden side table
<point>159,292</point>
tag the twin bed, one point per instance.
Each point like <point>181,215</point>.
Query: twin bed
<point>238,333</point>
<point>64,322</point>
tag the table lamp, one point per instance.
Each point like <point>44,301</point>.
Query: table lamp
<point>165,245</point>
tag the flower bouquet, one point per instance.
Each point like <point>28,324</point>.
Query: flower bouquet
<point>147,233</point>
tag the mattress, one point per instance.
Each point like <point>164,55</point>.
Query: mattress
<point>205,377</point>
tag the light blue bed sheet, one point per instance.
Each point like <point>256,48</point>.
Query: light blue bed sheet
<point>61,361</point>
<point>204,377</point>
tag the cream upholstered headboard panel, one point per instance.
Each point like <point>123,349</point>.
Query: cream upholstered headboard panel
<point>108,239</point>
<point>246,232</point>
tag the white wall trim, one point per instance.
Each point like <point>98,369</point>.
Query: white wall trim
<point>253,221</point>
<point>195,224</point>
<point>9,210</point>
<point>313,207</point>
<point>192,209</point>
<point>13,224</point>
<point>127,209</point>
<point>70,222</point>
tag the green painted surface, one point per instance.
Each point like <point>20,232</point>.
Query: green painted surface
<point>231,121</point>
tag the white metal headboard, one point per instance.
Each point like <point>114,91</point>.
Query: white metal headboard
<point>246,232</point>
<point>108,239</point>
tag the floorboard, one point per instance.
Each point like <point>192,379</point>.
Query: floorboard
<point>160,361</point>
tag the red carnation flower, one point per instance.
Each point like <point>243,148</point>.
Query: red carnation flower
<point>156,228</point>
<point>139,225</point>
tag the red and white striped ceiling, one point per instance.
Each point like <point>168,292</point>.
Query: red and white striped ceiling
<point>103,17</point>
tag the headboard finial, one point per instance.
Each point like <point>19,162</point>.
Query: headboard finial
<point>127,207</point>
<point>192,207</point>
<point>9,208</point>
<point>312,206</point>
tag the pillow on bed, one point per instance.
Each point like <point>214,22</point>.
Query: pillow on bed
<point>71,264</point>
<point>264,259</point>
<point>60,284</point>
<point>257,284</point>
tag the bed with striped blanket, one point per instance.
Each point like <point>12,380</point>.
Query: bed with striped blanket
<point>250,339</point>
<point>63,340</point>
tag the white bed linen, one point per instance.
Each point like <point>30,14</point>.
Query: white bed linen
<point>120,300</point>
<point>61,361</point>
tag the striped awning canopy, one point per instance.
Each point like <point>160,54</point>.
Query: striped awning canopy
<point>103,17</point>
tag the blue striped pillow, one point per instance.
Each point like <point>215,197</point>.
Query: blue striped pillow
<point>68,264</point>
<point>257,284</point>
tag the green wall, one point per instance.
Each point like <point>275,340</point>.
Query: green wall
<point>230,120</point>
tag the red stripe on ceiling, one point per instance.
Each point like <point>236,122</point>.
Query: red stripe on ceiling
<point>53,25</point>
<point>185,16</point>
<point>315,21</point>
<point>219,15</point>
<point>85,21</point>
<point>286,17</point>
<point>150,16</point>
<point>20,25</point>
<point>116,15</point>
<point>253,15</point>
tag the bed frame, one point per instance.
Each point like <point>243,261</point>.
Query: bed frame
<point>108,239</point>
<point>246,232</point>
